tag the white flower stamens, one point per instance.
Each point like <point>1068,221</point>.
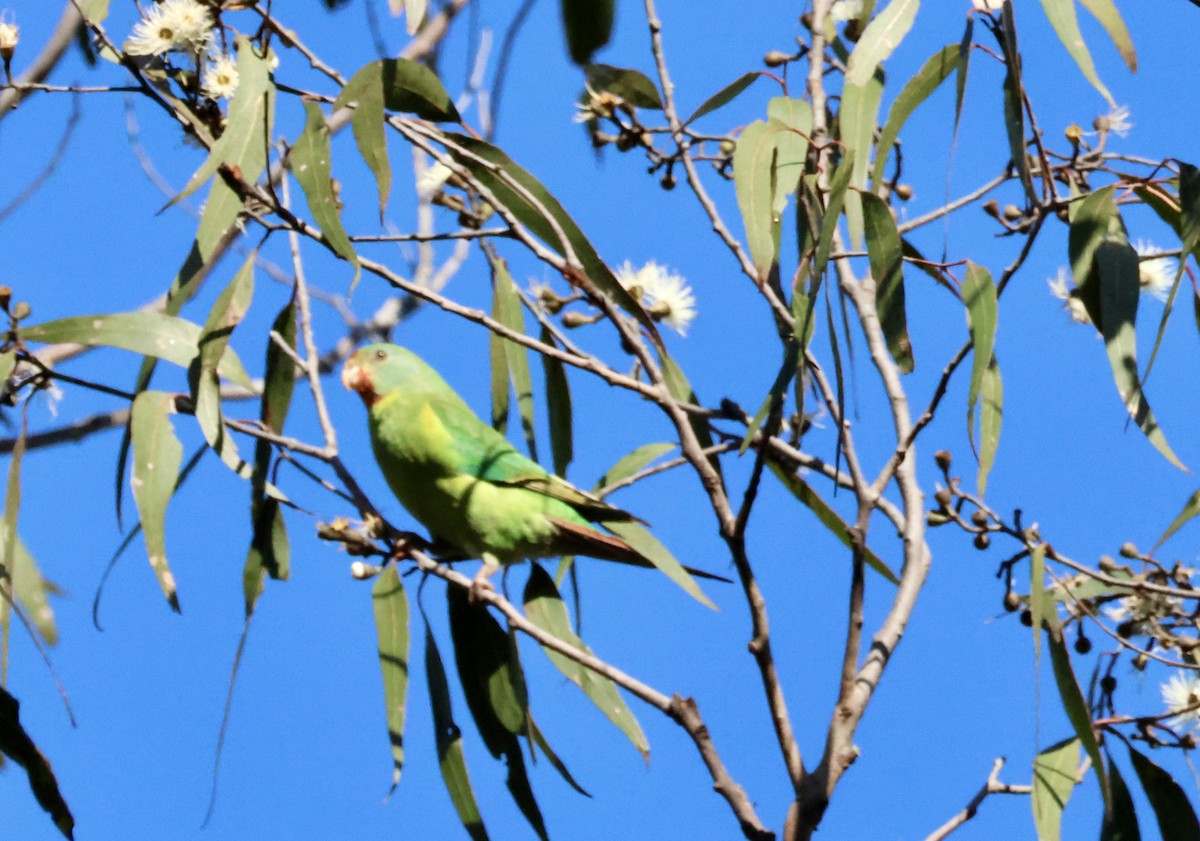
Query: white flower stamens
<point>665,295</point>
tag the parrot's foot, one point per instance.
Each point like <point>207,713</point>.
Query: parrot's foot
<point>481,584</point>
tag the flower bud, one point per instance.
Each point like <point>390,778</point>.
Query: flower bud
<point>1012,601</point>
<point>982,541</point>
<point>10,34</point>
<point>20,310</point>
<point>1128,550</point>
<point>943,459</point>
<point>1012,213</point>
<point>904,192</point>
<point>776,58</point>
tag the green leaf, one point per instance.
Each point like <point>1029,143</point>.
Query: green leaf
<point>311,162</point>
<point>19,747</point>
<point>963,69</point>
<point>990,418</point>
<point>1062,16</point>
<point>1172,810</point>
<point>143,332</point>
<point>1054,772</point>
<point>269,553</point>
<point>587,25</point>
<point>880,39</point>
<point>157,456</point>
<point>829,518</point>
<point>449,742</point>
<point>1119,292</point>
<point>226,313</point>
<point>32,590</point>
<point>1093,220</point>
<point>754,182</point>
<point>558,407</point>
<point>649,547</point>
<point>633,86</point>
<point>1120,824</point>
<point>979,295</point>
<point>791,152</point>
<point>506,308</point>
<point>856,129</point>
<point>539,739</point>
<point>1076,708</point>
<point>838,185</point>
<point>95,11</point>
<point>632,462</point>
<point>774,398</point>
<point>248,126</point>
<point>397,84</point>
<point>495,171</point>
<point>391,624</point>
<point>725,95</point>
<point>545,608</point>
<point>1014,107</point>
<point>494,687</point>
<point>887,267</point>
<point>1106,12</point>
<point>1190,509</point>
<point>935,71</point>
<point>1039,607</point>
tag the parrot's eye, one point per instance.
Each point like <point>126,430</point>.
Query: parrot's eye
<point>381,354</point>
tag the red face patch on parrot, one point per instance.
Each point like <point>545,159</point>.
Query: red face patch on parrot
<point>358,379</point>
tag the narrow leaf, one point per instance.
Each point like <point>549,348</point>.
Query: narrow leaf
<point>391,624</point>
<point>1053,782</point>
<point>146,333</point>
<point>587,25</point>
<point>679,388</point>
<point>157,456</point>
<point>1106,12</point>
<point>1062,16</point>
<point>494,170</point>
<point>1172,810</point>
<point>880,39</point>
<point>558,408</point>
<point>649,547</point>
<point>631,463</point>
<point>311,161</point>
<point>16,744</point>
<point>449,742</point>
<point>829,518</point>
<point>1014,102</point>
<point>633,86</point>
<point>887,267</point>
<point>1039,606</point>
<point>725,95</point>
<point>1076,708</point>
<point>856,129</point>
<point>754,183</point>
<point>1190,509</point>
<point>931,75</point>
<point>1121,823</point>
<point>248,125</point>
<point>990,417</point>
<point>507,308</point>
<point>539,739</point>
<point>545,608</point>
<point>791,146</point>
<point>1119,292</point>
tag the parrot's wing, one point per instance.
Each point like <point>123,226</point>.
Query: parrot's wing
<point>481,451</point>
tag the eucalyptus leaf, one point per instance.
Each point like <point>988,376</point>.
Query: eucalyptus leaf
<point>391,625</point>
<point>157,456</point>
<point>587,25</point>
<point>311,161</point>
<point>1053,782</point>
<point>887,267</point>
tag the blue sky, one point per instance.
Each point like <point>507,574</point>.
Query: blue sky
<point>307,754</point>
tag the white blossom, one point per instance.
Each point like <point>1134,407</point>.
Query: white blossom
<point>171,25</point>
<point>844,10</point>
<point>1181,695</point>
<point>665,295</point>
<point>221,76</point>
<point>433,178</point>
<point>10,34</point>
<point>1061,288</point>
<point>1157,274</point>
<point>1115,121</point>
<point>988,5</point>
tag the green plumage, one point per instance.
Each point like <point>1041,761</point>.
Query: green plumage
<point>463,480</point>
<point>475,493</point>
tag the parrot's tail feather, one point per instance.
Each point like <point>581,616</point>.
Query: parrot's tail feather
<point>574,539</point>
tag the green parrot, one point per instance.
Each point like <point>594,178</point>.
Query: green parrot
<point>467,484</point>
